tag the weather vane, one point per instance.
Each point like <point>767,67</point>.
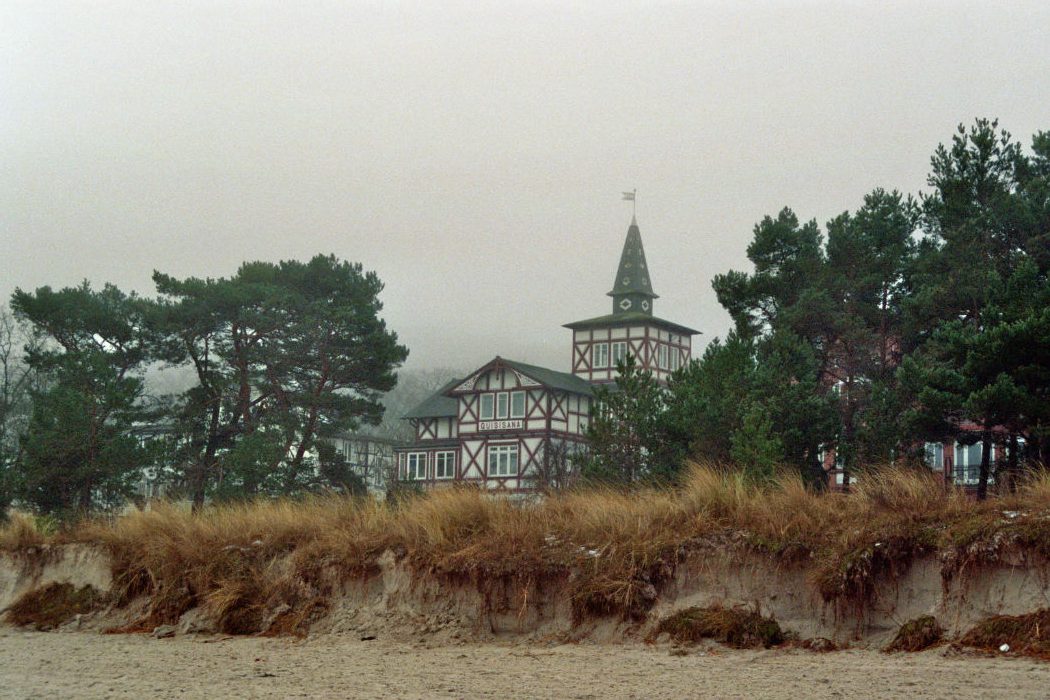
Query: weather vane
<point>630,197</point>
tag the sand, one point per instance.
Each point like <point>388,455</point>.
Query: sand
<point>88,665</point>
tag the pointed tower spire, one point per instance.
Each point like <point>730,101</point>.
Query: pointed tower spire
<point>632,291</point>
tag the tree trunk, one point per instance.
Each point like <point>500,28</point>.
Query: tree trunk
<point>199,481</point>
<point>84,499</point>
<point>986,461</point>
<point>1012,465</point>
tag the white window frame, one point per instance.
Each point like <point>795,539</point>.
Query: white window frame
<point>445,464</point>
<point>502,405</point>
<point>517,411</point>
<point>619,353</point>
<point>502,460</point>
<point>964,471</point>
<point>482,413</point>
<point>934,456</point>
<point>416,466</point>
<point>600,355</point>
<point>661,351</point>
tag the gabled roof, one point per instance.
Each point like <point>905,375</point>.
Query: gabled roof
<point>553,379</point>
<point>437,405</point>
<point>627,319</point>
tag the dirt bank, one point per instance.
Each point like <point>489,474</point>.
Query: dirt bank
<point>115,666</point>
<point>400,603</point>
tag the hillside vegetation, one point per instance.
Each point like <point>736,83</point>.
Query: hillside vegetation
<point>613,548</point>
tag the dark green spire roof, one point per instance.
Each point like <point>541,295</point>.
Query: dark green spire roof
<point>632,290</point>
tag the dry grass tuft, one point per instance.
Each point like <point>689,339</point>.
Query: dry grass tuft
<point>917,635</point>
<point>739,627</point>
<point>51,605</point>
<point>20,532</point>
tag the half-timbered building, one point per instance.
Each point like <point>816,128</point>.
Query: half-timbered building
<point>599,344</point>
<point>501,426</point>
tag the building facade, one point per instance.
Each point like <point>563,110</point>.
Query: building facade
<point>508,425</point>
<point>371,457</point>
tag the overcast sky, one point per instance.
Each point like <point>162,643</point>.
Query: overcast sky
<point>474,156</point>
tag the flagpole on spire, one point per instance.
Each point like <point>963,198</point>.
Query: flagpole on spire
<point>632,198</point>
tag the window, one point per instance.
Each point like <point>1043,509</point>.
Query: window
<point>416,466</point>
<point>600,355</point>
<point>619,351</point>
<point>444,465</point>
<point>517,404</point>
<point>487,403</point>
<point>662,350</point>
<point>676,359</point>
<point>968,462</point>
<point>503,460</point>
<point>501,404</point>
<point>935,456</point>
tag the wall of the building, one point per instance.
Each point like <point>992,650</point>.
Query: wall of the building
<point>654,348</point>
<point>443,428</point>
<point>955,462</point>
<point>533,414</point>
<point>478,461</point>
<point>369,458</point>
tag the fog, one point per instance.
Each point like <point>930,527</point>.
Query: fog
<point>474,157</point>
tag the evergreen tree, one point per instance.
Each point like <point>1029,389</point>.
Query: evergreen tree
<point>78,452</point>
<point>966,279</point>
<point>284,354</point>
<point>625,442</point>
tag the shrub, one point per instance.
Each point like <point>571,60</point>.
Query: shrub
<point>737,627</point>
<point>916,635</point>
<point>1025,634</point>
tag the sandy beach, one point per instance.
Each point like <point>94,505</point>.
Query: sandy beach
<point>86,665</point>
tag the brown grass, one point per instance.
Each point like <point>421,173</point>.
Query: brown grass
<point>274,565</point>
<point>20,532</point>
<point>49,606</point>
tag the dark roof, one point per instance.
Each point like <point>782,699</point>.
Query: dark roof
<point>437,405</point>
<point>552,378</point>
<point>547,377</point>
<point>426,445</point>
<point>630,318</point>
<point>365,436</point>
<point>632,275</point>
